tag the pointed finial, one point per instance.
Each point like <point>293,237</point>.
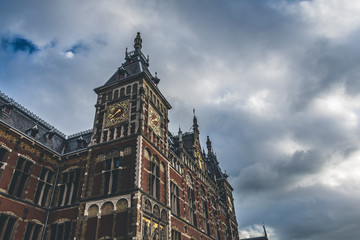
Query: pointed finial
<point>156,79</point>
<point>265,230</point>
<point>208,144</point>
<point>137,42</point>
<point>126,54</point>
<point>195,125</point>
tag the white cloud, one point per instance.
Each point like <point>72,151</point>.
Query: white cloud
<point>334,19</point>
<point>69,54</point>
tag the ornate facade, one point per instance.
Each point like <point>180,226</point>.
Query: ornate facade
<point>126,178</point>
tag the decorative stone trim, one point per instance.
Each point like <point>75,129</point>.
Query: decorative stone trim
<point>26,157</point>
<point>101,202</point>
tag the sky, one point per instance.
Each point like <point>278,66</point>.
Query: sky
<point>275,85</point>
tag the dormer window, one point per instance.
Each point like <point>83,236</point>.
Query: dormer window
<point>81,143</point>
<point>33,131</point>
<point>7,108</point>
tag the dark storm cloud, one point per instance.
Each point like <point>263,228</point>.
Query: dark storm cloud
<point>275,85</point>
<point>326,65</point>
<point>18,44</point>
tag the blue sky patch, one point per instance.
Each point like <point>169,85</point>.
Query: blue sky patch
<point>18,44</point>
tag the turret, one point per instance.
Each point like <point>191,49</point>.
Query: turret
<point>208,144</point>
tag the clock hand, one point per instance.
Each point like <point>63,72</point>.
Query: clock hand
<point>118,111</point>
<point>113,114</point>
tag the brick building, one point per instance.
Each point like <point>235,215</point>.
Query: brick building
<point>127,178</point>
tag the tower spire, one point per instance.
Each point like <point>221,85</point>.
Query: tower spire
<point>195,124</point>
<point>137,41</point>
<point>265,231</point>
<point>208,144</point>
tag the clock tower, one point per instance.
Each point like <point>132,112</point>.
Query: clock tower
<point>127,168</point>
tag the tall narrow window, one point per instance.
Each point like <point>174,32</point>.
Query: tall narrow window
<point>60,231</point>
<point>116,94</point>
<point>112,174</point>
<point>33,231</point>
<point>191,200</point>
<point>204,211</point>
<point>7,223</point>
<point>175,235</point>
<point>154,183</point>
<point>122,92</point>
<point>174,199</point>
<point>68,187</point>
<point>20,177</point>
<point>128,90</point>
<point>163,182</point>
<point>44,186</point>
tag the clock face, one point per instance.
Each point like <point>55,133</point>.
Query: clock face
<point>117,113</point>
<point>154,120</point>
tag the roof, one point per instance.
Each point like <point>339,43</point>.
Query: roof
<point>15,116</point>
<point>256,238</point>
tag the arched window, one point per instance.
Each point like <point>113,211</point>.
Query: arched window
<point>174,199</point>
<point>91,225</point>
<point>60,230</point>
<point>116,94</point>
<point>191,200</point>
<point>135,88</point>
<point>112,172</point>
<point>20,177</point>
<point>33,231</point>
<point>42,194</point>
<point>204,210</point>
<point>109,96</point>
<point>7,226</point>
<point>163,184</point>
<point>122,92</point>
<point>154,181</point>
<point>68,186</point>
<point>128,90</point>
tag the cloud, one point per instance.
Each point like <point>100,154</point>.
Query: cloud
<point>275,85</point>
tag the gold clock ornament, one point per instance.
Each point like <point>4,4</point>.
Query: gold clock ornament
<point>198,154</point>
<point>230,204</point>
<point>154,120</point>
<point>117,113</point>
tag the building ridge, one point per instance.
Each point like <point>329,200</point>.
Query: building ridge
<point>78,134</point>
<point>31,114</point>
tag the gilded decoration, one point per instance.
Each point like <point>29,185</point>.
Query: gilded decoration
<point>153,230</point>
<point>154,120</point>
<point>117,113</point>
<point>27,147</point>
<point>7,136</point>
